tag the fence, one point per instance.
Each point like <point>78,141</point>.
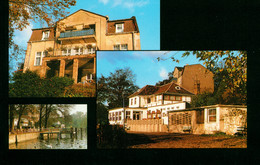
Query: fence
<point>151,125</point>
<point>35,130</point>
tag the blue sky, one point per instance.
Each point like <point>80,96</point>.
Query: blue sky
<point>147,13</point>
<point>144,64</point>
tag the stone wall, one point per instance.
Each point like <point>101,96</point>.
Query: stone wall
<point>23,137</point>
<point>152,125</point>
<point>234,118</point>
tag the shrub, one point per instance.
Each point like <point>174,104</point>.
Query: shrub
<point>28,84</point>
<point>55,86</point>
<point>80,90</point>
<point>111,136</point>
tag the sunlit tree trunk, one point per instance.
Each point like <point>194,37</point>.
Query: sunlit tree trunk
<point>11,117</point>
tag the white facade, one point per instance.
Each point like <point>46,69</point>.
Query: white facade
<point>118,116</point>
<point>219,121</point>
<point>165,108</point>
<point>150,101</point>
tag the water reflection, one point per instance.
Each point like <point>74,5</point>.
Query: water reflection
<point>54,143</point>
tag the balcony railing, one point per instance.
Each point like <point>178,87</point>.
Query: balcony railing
<point>77,33</point>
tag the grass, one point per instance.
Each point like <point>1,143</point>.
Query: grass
<point>222,134</point>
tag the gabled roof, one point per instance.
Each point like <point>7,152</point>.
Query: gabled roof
<point>82,10</point>
<point>173,89</point>
<point>169,88</point>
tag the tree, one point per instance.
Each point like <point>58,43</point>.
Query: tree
<point>230,72</point>
<point>40,107</point>
<point>28,84</point>
<point>21,110</point>
<point>21,12</point>
<point>12,110</point>
<point>79,120</point>
<point>102,114</point>
<point>168,80</point>
<point>115,88</point>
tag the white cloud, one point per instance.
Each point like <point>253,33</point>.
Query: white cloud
<point>163,73</point>
<point>117,2</point>
<point>130,4</point>
<point>103,1</point>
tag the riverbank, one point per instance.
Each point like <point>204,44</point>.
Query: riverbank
<point>23,137</point>
<point>174,140</point>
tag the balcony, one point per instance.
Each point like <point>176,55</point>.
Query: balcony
<point>78,37</point>
<point>77,33</point>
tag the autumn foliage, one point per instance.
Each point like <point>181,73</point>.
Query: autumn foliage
<point>21,12</point>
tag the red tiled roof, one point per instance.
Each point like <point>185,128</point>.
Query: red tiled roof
<point>167,88</point>
<point>171,88</point>
<point>37,34</point>
<point>130,25</point>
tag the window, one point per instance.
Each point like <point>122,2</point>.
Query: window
<point>128,114</point>
<point>178,88</point>
<point>116,47</point>
<point>38,58</point>
<point>77,51</point>
<point>174,119</point>
<point>124,47</point>
<point>212,115</point>
<point>117,116</point>
<point>178,98</point>
<point>45,35</point>
<point>91,50</point>
<point>119,28</point>
<point>172,98</point>
<point>66,52</point>
<point>136,115</point>
<point>114,116</point>
<point>121,47</point>
<point>135,100</point>
<point>120,115</point>
<point>131,101</point>
<point>89,77</point>
<point>148,100</point>
<point>166,97</point>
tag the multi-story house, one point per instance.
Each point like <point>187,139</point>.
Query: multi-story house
<point>68,48</point>
<point>152,102</point>
<point>195,78</point>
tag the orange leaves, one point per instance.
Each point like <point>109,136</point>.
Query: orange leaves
<point>43,11</point>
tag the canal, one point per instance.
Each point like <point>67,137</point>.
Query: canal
<point>66,142</point>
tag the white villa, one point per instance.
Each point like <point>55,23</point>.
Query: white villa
<point>151,102</point>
